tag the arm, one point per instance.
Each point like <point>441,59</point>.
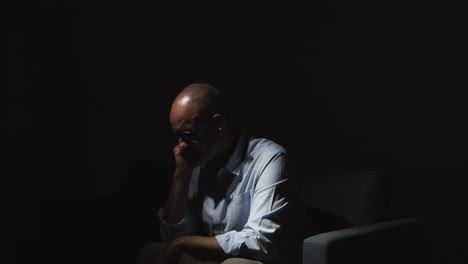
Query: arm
<point>268,202</point>
<point>175,208</point>
<point>391,241</point>
<point>198,246</point>
<point>267,206</point>
<point>175,211</point>
<point>174,217</point>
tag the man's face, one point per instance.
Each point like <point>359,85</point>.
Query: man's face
<point>198,134</point>
<point>199,139</point>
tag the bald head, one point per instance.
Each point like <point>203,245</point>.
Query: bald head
<point>199,117</point>
<point>199,91</point>
<point>200,100</point>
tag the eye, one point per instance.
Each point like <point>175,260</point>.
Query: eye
<point>187,134</point>
<point>191,131</point>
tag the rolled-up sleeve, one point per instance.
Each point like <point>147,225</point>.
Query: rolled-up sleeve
<point>167,231</point>
<point>267,206</point>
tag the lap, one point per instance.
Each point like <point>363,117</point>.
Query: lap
<point>148,254</point>
<point>240,261</point>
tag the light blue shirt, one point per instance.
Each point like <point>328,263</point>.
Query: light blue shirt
<point>246,219</point>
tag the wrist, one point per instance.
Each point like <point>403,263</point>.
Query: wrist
<point>180,243</point>
<point>182,174</point>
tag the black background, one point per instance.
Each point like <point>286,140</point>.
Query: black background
<point>358,85</point>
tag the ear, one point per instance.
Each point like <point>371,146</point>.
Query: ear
<point>219,121</point>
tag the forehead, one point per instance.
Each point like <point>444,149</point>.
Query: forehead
<point>184,114</point>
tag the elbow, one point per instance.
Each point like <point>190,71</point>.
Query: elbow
<point>255,246</point>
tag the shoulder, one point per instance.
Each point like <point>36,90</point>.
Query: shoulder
<point>267,160</point>
<point>259,148</point>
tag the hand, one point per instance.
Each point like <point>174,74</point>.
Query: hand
<point>171,252</point>
<point>186,156</point>
<point>201,247</point>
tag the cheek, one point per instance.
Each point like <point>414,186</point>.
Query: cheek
<point>207,143</point>
<point>201,147</point>
<point>206,148</point>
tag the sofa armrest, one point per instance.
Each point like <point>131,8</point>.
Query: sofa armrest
<point>392,241</point>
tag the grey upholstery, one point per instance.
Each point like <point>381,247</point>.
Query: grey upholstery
<point>346,221</point>
<point>357,198</point>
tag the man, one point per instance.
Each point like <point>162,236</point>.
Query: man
<point>228,194</point>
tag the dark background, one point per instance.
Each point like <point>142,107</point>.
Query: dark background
<point>341,85</point>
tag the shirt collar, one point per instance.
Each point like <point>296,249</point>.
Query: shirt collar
<point>237,155</point>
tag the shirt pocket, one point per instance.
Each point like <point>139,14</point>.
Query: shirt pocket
<point>238,211</point>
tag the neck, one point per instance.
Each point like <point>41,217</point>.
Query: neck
<point>227,150</point>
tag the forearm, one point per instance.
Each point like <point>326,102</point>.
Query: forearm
<point>176,204</point>
<point>199,246</point>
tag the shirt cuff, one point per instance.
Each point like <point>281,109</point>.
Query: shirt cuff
<point>242,243</point>
<point>170,231</point>
<point>229,242</point>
